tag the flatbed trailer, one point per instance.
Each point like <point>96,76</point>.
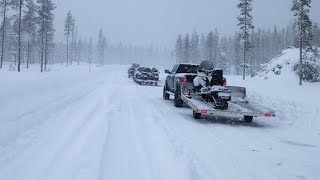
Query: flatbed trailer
<point>238,106</point>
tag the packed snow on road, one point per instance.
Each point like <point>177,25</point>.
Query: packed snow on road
<point>71,124</point>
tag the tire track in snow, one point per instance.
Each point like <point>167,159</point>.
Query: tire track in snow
<point>26,135</point>
<point>154,112</point>
<point>58,144</point>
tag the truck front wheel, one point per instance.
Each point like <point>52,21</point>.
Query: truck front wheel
<point>166,96</point>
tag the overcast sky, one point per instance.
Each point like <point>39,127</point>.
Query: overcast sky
<point>160,21</point>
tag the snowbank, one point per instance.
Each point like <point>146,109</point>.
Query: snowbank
<point>281,67</point>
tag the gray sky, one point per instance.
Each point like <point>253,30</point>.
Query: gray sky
<point>160,21</point>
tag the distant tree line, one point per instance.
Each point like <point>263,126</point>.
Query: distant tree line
<point>27,34</point>
<point>259,45</point>
<point>27,37</point>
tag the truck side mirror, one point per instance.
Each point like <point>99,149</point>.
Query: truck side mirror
<point>167,71</point>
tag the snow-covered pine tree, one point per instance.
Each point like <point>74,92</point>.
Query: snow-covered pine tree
<point>216,48</point>
<point>186,49</point>
<point>301,10</point>
<point>209,46</point>
<point>237,55</point>
<point>224,63</point>
<point>194,48</point>
<point>101,47</point>
<point>203,41</point>
<point>246,27</point>
<point>79,51</point>
<point>67,31</point>
<point>4,9</point>
<point>90,53</point>
<point>73,32</point>
<point>316,34</point>
<point>29,28</point>
<point>46,29</point>
<point>178,49</point>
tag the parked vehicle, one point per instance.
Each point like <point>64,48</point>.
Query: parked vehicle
<point>155,74</point>
<point>132,69</point>
<point>144,75</point>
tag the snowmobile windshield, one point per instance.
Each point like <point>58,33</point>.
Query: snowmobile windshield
<point>206,66</point>
<point>187,69</point>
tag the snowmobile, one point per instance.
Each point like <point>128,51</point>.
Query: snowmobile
<point>210,85</point>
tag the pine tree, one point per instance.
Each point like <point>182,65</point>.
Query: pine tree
<point>68,26</point>
<point>29,28</point>
<point>186,49</point>
<point>209,46</point>
<point>46,29</point>
<point>4,5</point>
<point>194,48</point>
<point>216,48</point>
<point>246,27</point>
<point>203,41</point>
<point>90,53</point>
<point>178,49</point>
<point>79,50</point>
<point>73,41</point>
<point>101,47</point>
<point>301,9</point>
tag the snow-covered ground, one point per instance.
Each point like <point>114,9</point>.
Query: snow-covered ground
<point>72,124</point>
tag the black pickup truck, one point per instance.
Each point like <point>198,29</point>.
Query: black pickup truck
<point>180,73</point>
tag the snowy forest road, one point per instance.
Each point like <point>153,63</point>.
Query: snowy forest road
<point>101,125</point>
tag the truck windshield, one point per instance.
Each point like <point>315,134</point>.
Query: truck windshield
<point>187,69</point>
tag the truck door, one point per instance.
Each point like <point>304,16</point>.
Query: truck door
<point>171,76</point>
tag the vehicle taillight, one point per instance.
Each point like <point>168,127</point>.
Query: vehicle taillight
<point>184,79</point>
<point>204,111</point>
<point>268,115</point>
<point>225,83</point>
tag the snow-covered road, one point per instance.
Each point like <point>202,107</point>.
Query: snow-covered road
<point>101,125</point>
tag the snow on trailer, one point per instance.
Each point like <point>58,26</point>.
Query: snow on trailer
<point>238,106</point>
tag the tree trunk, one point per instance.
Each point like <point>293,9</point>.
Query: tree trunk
<point>28,55</point>
<point>301,47</point>
<point>41,51</point>
<point>67,50</point>
<point>3,30</point>
<point>19,36</point>
<point>46,52</point>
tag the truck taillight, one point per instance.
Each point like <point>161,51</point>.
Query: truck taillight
<point>204,111</point>
<point>268,115</point>
<point>184,79</point>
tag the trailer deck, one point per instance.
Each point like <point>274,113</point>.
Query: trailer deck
<point>238,106</point>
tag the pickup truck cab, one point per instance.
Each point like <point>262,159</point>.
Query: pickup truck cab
<point>179,73</point>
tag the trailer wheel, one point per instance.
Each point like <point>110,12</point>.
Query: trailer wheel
<point>248,119</point>
<point>196,115</point>
<point>165,95</point>
<point>177,100</point>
